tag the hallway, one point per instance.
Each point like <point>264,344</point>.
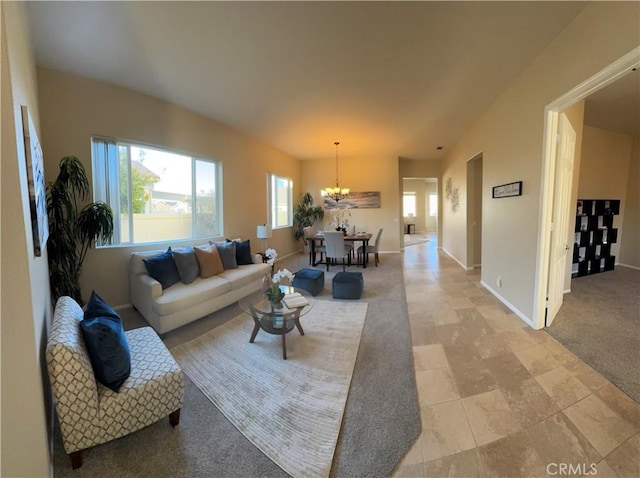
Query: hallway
<point>498,398</point>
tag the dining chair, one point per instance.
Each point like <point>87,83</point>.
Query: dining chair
<point>371,249</point>
<point>308,232</point>
<point>337,248</point>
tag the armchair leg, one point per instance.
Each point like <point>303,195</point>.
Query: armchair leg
<point>174,418</point>
<point>76,459</point>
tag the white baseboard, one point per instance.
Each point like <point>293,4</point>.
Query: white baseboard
<point>628,265</point>
<point>455,259</point>
<point>509,305</point>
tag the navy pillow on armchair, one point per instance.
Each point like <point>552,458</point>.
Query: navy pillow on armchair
<point>106,343</point>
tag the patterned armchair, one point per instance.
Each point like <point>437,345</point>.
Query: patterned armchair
<point>90,413</point>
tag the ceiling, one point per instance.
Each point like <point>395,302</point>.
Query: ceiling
<point>616,107</point>
<point>383,78</point>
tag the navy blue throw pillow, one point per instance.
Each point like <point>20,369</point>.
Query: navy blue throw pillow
<point>163,269</point>
<point>243,252</point>
<point>98,307</point>
<point>106,343</point>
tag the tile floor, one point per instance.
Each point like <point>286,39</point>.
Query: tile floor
<point>499,399</point>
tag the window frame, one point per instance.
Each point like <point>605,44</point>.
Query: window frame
<point>272,191</point>
<point>106,187</point>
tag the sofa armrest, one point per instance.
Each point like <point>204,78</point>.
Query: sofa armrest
<point>257,258</point>
<point>144,289</point>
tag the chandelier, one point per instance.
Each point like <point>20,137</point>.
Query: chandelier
<point>336,193</point>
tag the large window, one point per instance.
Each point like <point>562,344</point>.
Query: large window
<point>156,195</point>
<point>409,204</point>
<point>280,201</point>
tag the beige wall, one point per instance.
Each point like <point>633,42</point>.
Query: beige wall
<point>630,237</point>
<point>510,137</point>
<point>603,171</point>
<point>361,174</point>
<point>26,312</point>
<point>74,108</point>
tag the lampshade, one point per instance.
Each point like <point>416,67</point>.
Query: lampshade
<point>263,232</point>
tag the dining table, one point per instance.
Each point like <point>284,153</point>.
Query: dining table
<point>363,237</point>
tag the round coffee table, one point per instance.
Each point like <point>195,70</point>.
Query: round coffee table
<point>273,320</point>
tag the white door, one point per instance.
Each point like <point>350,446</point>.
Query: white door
<point>560,236</point>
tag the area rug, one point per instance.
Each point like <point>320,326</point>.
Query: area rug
<point>289,409</point>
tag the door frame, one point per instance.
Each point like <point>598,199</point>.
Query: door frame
<point>617,69</point>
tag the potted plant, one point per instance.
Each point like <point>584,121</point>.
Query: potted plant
<point>72,231</point>
<point>306,214</point>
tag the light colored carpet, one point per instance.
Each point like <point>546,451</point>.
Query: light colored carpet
<point>600,323</point>
<point>290,409</point>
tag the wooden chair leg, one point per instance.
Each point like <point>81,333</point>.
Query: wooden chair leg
<point>174,418</point>
<point>76,459</point>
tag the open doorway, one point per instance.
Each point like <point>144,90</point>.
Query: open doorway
<point>552,206</point>
<point>474,212</point>
<point>420,210</point>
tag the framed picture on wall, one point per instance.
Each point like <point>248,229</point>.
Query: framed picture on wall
<point>37,188</point>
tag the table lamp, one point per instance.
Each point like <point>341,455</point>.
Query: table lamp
<point>263,232</point>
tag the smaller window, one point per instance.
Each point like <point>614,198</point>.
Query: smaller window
<point>433,205</point>
<point>280,201</point>
<point>409,204</point>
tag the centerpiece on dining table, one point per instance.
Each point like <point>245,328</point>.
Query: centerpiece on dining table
<point>271,287</point>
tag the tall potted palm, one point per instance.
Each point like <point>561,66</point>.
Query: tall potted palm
<point>73,228</point>
<point>305,214</point>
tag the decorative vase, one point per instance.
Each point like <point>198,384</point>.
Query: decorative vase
<point>267,281</point>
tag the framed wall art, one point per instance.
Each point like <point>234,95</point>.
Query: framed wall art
<point>355,200</point>
<point>37,188</point>
<point>507,190</point>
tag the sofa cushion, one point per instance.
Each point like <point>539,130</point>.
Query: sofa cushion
<point>106,344</point>
<point>209,260</point>
<point>182,297</point>
<point>227,254</point>
<point>163,269</point>
<point>245,275</point>
<point>243,252</point>
<point>187,264</point>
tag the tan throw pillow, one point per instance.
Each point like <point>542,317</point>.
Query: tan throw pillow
<point>209,260</point>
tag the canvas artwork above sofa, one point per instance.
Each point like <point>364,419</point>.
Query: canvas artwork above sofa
<point>173,287</point>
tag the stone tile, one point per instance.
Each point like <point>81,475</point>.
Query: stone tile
<point>603,470</point>
<point>429,357</point>
<point>537,359</point>
<point>445,430</point>
<point>424,335</point>
<point>588,376</point>
<point>414,455</point>
<point>436,386</point>
<point>625,460</point>
<point>454,335</point>
<point>620,403</point>
<point>446,316</point>
<point>510,457</point>
<point>603,427</point>
<point>491,345</point>
<point>489,416</point>
<point>409,471</point>
<point>538,336</point>
<point>466,464</point>
<point>529,402</point>
<point>517,339</point>
<point>563,387</point>
<point>507,370</point>
<point>557,440</point>
<point>470,371</point>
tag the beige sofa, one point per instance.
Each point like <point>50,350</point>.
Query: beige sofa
<point>181,304</point>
